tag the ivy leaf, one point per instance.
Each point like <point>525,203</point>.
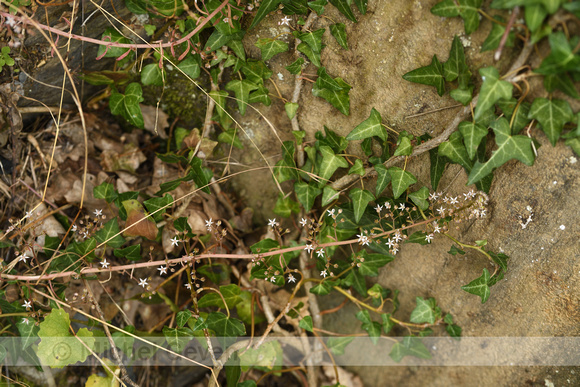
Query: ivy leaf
<point>177,338</point>
<point>454,251</point>
<point>373,328</point>
<point>411,346</point>
<point>455,65</point>
<point>286,206</point>
<point>423,312</point>
<point>265,8</point>
<point>400,180</point>
<point>105,191</point>
<point>437,167</point>
<point>229,293</point>
<point>310,53</point>
<point>28,333</point>
<point>479,286</point>
<point>291,109</point>
<point>454,150</point>
<point>306,323</point>
<point>127,105</point>
<point>339,99</point>
<point>369,128</point>
<point>312,39</point>
<point>338,30</point>
<point>362,6</point>
<point>561,82</point>
<point>495,34</point>
<point>552,115</point>
<point>322,289</point>
<point>500,259</point>
<point>492,90</point>
<point>158,204</point>
<point>132,253</point>
<point>324,81</point>
<point>296,66</point>
<point>328,195</point>
<point>329,164</point>
<point>152,75</point>
<point>333,140</point>
<point>344,8</point>
<point>271,47</point>
<point>420,198</point>
<point>535,15</point>
<point>357,281</point>
<point>336,345</point>
<point>318,6</point>
<point>261,95</point>
<point>472,135</point>
<point>463,96</point>
<point>561,58</point>
<point>467,9</point>
<point>225,326</point>
<point>360,200</point>
<point>521,119</point>
<point>242,89</point>
<point>110,234</point>
<point>306,193</point>
<point>404,147</point>
<point>256,71</point>
<point>357,168</point>
<point>508,148</point>
<point>574,143</point>
<point>139,222</point>
<point>373,262</point>
<point>431,75</point>
<point>383,179</point>
<point>285,169</point>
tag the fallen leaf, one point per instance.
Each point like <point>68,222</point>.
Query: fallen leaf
<point>138,223</point>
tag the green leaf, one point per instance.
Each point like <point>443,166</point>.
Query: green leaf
<point>225,326</point>
<point>437,167</point>
<point>285,169</point>
<point>152,75</point>
<point>357,168</point>
<point>479,286</point>
<point>373,262</point>
<point>463,96</point>
<point>336,345</point>
<point>360,200</point>
<point>28,333</point>
<point>113,36</point>
<point>322,289</point>
<point>388,324</point>
<point>535,15</point>
<point>229,293</point>
<point>85,248</point>
<point>261,95</point>
<point>423,312</point>
<point>418,237</point>
<point>455,150</point>
<point>373,328</point>
<point>306,323</point>
<point>271,47</point>
<point>369,128</point>
<point>58,347</point>
<point>508,148</point>
<point>420,198</point>
<point>467,9</point>
<point>296,66</point>
<point>242,89</point>
<point>362,6</point>
<point>158,204</point>
<point>110,234</point>
<point>329,164</point>
<point>336,142</point>
<point>431,75</point>
<point>291,109</point>
<point>472,135</point>
<point>312,39</point>
<point>190,66</point>
<point>453,330</point>
<point>383,178</point>
<point>404,147</point>
<point>286,206</point>
<point>552,115</point>
<point>562,82</point>
<point>127,105</point>
<point>177,338</point>
<point>454,251</point>
<point>400,180</point>
<point>266,6</point>
<point>339,99</point>
<point>574,143</point>
<point>455,65</point>
<point>357,281</point>
<point>338,30</point>
<point>306,194</point>
<point>256,71</point>
<point>324,81</point>
<point>105,191</point>
<point>344,8</point>
<point>492,90</point>
<point>328,195</point>
<point>521,119</point>
<point>495,35</point>
<point>561,58</point>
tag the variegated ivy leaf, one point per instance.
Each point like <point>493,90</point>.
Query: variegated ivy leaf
<point>492,90</point>
<point>306,193</point>
<point>552,115</point>
<point>479,286</point>
<point>472,135</point>
<point>431,75</point>
<point>271,47</point>
<point>383,179</point>
<point>360,200</point>
<point>494,38</point>
<point>467,9</point>
<point>400,180</point>
<point>337,98</point>
<point>242,89</point>
<point>369,128</point>
<point>338,30</point>
<point>455,150</point>
<point>455,65</point>
<point>420,198</point>
<point>330,163</point>
<point>508,148</point>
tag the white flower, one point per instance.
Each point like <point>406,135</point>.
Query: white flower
<point>433,196</point>
<point>395,251</point>
<point>74,228</point>
<point>454,200</point>
<point>390,243</point>
<point>208,224</point>
<point>441,211</point>
<point>378,208</point>
<point>23,257</point>
<point>27,305</point>
<point>105,264</point>
<point>429,238</point>
<point>363,239</point>
<point>330,212</point>
<point>28,214</point>
<point>226,20</point>
<point>25,321</point>
<point>188,286</point>
<point>272,222</point>
<point>303,222</point>
<point>398,237</point>
<point>291,278</point>
<point>387,206</point>
<point>402,206</point>
<point>273,279</point>
<point>309,248</point>
<point>98,212</point>
<point>482,213</point>
<point>143,282</point>
<point>162,270</point>
<point>320,253</point>
<point>285,21</point>
<point>436,227</point>
<point>174,241</point>
<point>445,199</point>
<point>323,273</point>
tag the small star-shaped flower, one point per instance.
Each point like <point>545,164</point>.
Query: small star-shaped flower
<point>309,248</point>
<point>23,257</point>
<point>436,227</point>
<point>378,208</point>
<point>273,279</point>
<point>98,212</point>
<point>188,286</point>
<point>429,238</point>
<point>28,214</point>
<point>285,21</point>
<point>330,212</point>
<point>387,206</point>
<point>208,224</point>
<point>390,243</point>
<point>398,237</point>
<point>363,239</point>
<point>174,241</point>
<point>323,273</point>
<point>162,270</point>
<point>74,228</point>
<point>291,278</point>
<point>27,305</point>
<point>303,222</point>
<point>395,250</point>
<point>272,222</point>
<point>453,200</point>
<point>105,264</point>
<point>441,210</point>
<point>402,206</point>
<point>433,196</point>
<point>320,253</point>
<point>143,282</point>
<point>25,321</point>
<point>482,214</point>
